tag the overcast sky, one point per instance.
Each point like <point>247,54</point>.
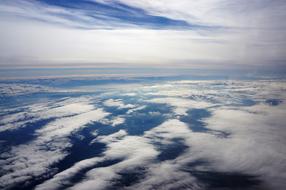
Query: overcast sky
<point>143,33</point>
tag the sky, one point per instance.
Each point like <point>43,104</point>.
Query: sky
<point>193,34</point>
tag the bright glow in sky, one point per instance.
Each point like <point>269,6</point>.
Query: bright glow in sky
<point>149,33</point>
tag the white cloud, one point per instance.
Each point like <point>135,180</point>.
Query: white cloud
<point>216,12</point>
<point>113,137</point>
<point>254,146</point>
<point>117,103</point>
<point>62,178</point>
<point>45,110</point>
<point>65,126</point>
<point>181,105</point>
<point>135,152</point>
<point>117,121</point>
<point>136,109</point>
<point>167,175</point>
<point>30,160</point>
<point>22,89</point>
<point>251,35</point>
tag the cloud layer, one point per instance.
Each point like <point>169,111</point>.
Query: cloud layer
<point>167,135</point>
<point>201,34</point>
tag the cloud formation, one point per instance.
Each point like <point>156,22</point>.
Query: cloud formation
<point>242,135</point>
<point>117,103</point>
<point>204,34</point>
<point>25,162</point>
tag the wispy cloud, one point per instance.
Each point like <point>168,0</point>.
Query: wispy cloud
<point>213,34</point>
<point>90,14</point>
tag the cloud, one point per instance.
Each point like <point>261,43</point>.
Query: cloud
<point>135,152</point>
<point>245,138</point>
<point>113,137</point>
<point>167,175</point>
<point>114,121</point>
<point>204,34</point>
<point>46,110</point>
<point>130,111</point>
<point>29,161</point>
<point>238,14</point>
<point>215,92</point>
<point>89,14</point>
<point>181,105</point>
<point>258,127</point>
<point>62,178</point>
<point>117,121</point>
<point>117,103</point>
<point>255,145</point>
<point>21,89</point>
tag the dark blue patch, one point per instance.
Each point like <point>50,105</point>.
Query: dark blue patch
<point>273,102</point>
<point>221,180</point>
<point>196,163</point>
<point>81,148</point>
<point>248,102</point>
<point>22,135</point>
<point>115,110</point>
<point>102,129</point>
<point>171,151</point>
<point>194,119</point>
<point>128,178</point>
<point>139,122</point>
<point>226,180</point>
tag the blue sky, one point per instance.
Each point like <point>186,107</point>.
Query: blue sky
<point>212,34</point>
<point>116,12</point>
